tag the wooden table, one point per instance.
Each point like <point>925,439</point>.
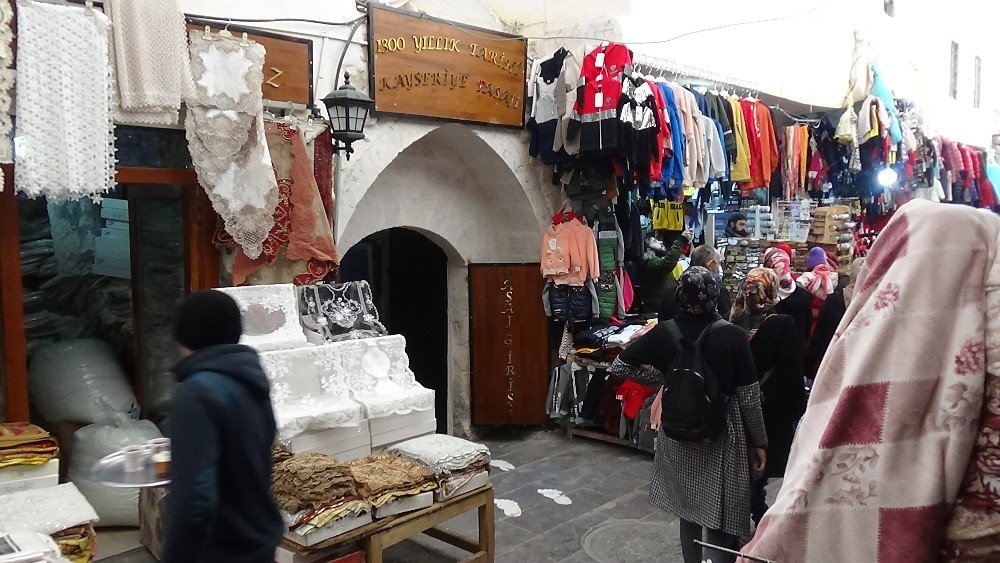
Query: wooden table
<point>387,532</point>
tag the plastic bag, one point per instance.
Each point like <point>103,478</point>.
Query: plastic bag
<point>115,506</point>
<point>79,381</point>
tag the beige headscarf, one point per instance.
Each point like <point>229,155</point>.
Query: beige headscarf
<point>910,386</point>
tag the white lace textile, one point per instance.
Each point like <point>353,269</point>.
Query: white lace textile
<point>65,142</point>
<point>270,316</point>
<point>305,392</point>
<point>377,372</point>
<point>151,60</point>
<point>7,75</point>
<point>225,133</point>
<point>442,453</point>
<point>45,511</point>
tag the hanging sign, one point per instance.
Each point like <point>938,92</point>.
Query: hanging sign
<point>435,68</point>
<point>287,62</point>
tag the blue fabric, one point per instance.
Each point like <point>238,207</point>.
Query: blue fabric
<point>673,167</point>
<point>701,100</point>
<point>993,174</point>
<point>882,91</point>
<point>220,507</point>
<point>722,137</point>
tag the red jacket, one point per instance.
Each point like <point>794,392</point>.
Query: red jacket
<point>952,156</point>
<point>663,138</point>
<point>598,91</point>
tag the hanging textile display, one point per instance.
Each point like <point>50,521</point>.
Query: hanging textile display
<point>151,60</point>
<point>300,245</point>
<point>7,75</point>
<point>225,133</point>
<point>65,133</point>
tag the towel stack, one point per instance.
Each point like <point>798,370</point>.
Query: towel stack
<point>316,490</point>
<point>384,478</point>
<point>25,444</point>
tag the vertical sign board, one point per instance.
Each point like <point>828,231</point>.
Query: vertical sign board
<point>510,358</point>
<point>429,67</point>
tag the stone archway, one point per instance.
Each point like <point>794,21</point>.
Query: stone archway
<point>453,187</point>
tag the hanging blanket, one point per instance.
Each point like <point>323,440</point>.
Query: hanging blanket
<point>65,132</point>
<point>883,450</point>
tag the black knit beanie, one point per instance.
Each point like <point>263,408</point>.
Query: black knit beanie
<point>208,318</point>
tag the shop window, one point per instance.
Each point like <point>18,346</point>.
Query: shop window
<point>890,7</point>
<point>953,83</point>
<point>105,276</point>
<point>977,88</point>
<point>151,148</point>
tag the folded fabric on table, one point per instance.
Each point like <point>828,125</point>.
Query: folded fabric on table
<point>308,521</point>
<point>25,444</point>
<point>45,511</point>
<point>383,478</point>
<point>451,483</point>
<point>312,481</point>
<point>78,544</point>
<point>441,453</point>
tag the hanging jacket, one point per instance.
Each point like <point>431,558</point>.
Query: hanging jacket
<point>673,166</point>
<point>717,111</point>
<point>740,168</point>
<point>597,100</point>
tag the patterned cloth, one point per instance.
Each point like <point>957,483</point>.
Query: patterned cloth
<point>758,294</point>
<point>881,452</point>
<point>697,292</point>
<point>384,478</point>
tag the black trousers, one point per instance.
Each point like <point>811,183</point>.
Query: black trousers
<point>693,552</point>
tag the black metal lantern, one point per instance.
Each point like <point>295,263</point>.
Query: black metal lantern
<point>348,110</point>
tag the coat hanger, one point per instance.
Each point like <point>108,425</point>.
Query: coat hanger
<point>225,30</point>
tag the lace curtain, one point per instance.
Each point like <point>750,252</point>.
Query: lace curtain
<point>64,148</point>
<point>6,82</point>
<point>225,132</point>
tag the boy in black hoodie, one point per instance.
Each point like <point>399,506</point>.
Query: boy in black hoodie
<point>220,508</point>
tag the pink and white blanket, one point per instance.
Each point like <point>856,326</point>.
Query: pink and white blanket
<point>897,458</point>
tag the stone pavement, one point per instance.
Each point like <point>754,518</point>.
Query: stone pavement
<point>609,518</point>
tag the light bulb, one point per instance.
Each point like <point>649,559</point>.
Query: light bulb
<point>887,177</point>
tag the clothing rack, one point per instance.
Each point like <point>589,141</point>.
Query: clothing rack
<point>646,64</point>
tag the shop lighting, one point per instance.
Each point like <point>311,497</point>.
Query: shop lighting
<point>348,110</point>
<point>887,177</point>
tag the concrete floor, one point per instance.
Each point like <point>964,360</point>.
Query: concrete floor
<point>608,487</point>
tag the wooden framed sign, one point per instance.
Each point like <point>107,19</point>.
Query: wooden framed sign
<point>288,70</point>
<point>430,67</point>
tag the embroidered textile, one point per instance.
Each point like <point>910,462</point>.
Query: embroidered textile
<point>310,481</point>
<point>225,133</point>
<point>151,60</point>
<point>65,132</point>
<point>7,75</point>
<point>441,453</point>
<point>300,246</point>
<point>269,316</point>
<point>902,391</point>
<point>384,478</point>
<point>377,372</point>
<point>339,311</point>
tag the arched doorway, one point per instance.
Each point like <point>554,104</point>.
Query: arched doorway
<point>453,187</point>
<point>408,274</point>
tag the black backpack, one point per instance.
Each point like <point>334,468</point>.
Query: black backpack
<point>693,402</point>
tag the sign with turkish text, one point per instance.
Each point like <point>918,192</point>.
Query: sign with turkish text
<point>429,67</point>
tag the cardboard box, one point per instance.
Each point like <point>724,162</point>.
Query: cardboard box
<point>405,504</point>
<point>397,422</point>
<point>334,439</point>
<point>331,530</point>
<point>30,484</point>
<point>478,480</point>
<point>151,510</point>
<point>17,472</point>
<point>386,439</point>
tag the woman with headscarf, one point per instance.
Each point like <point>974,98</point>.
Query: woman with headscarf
<point>706,484</point>
<point>820,281</point>
<point>897,457</point>
<point>830,314</point>
<point>793,300</point>
<point>777,356</point>
<point>736,227</point>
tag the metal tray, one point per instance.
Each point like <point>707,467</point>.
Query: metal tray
<point>110,471</point>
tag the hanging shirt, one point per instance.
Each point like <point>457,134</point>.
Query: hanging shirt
<point>673,166</point>
<point>740,169</point>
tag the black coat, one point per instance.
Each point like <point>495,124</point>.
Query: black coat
<point>798,305</point>
<point>220,507</point>
<point>833,311</point>
<point>777,347</point>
